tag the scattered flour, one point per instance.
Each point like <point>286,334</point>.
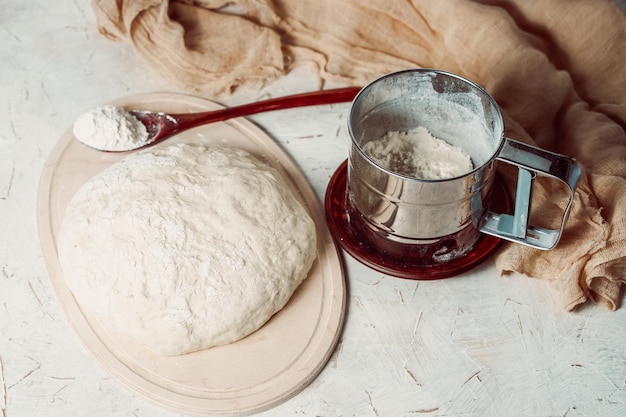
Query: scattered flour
<point>418,154</point>
<point>110,128</point>
<point>185,247</point>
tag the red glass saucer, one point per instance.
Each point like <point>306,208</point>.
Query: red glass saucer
<point>397,259</point>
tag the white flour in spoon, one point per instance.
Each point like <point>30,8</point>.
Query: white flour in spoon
<point>418,154</point>
<point>110,128</point>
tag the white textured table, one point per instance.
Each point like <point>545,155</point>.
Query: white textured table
<point>473,345</point>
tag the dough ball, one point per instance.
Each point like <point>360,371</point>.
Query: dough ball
<point>185,247</point>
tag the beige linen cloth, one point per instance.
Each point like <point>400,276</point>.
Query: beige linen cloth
<point>557,69</point>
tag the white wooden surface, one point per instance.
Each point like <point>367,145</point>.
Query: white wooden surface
<point>473,345</point>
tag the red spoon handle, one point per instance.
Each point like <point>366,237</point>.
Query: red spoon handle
<point>313,98</point>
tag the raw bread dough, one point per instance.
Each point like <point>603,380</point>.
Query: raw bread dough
<point>186,247</point>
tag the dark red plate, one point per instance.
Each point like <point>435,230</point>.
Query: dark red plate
<point>398,259</point>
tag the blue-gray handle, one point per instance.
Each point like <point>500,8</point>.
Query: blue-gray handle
<point>530,162</point>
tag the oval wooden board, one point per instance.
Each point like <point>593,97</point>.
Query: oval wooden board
<point>248,376</point>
